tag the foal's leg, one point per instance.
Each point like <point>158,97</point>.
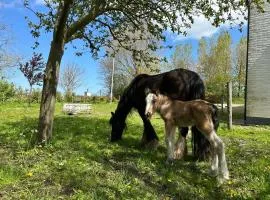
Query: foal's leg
<point>181,144</point>
<point>214,162</point>
<point>218,147</point>
<point>170,136</point>
<point>222,159</point>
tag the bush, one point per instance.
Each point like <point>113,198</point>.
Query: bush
<point>69,97</point>
<point>36,95</point>
<point>59,97</point>
<point>7,90</point>
<point>213,98</point>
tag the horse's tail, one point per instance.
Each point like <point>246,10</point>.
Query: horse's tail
<point>214,111</point>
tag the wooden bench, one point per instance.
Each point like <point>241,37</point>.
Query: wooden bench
<point>76,108</point>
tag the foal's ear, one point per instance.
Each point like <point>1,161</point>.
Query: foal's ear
<point>112,113</point>
<point>147,91</point>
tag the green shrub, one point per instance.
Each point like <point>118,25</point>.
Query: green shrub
<point>59,97</point>
<point>7,90</point>
<point>36,95</point>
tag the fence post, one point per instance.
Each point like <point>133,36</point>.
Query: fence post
<point>229,104</point>
<point>111,95</point>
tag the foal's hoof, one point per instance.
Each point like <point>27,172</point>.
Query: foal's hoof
<point>226,176</point>
<point>178,154</point>
<point>222,179</point>
<point>180,151</point>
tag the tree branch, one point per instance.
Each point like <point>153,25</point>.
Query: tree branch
<point>62,18</point>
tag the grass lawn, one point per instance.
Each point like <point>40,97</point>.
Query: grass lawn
<point>81,163</point>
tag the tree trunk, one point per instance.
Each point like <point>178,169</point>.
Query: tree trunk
<point>47,105</point>
<point>30,95</point>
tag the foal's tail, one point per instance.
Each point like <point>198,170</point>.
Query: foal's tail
<point>214,110</point>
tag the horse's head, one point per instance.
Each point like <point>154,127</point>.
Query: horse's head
<point>151,100</point>
<point>118,126</point>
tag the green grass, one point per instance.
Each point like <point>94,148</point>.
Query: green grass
<point>81,163</point>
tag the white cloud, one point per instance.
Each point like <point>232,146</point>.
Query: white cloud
<point>203,28</point>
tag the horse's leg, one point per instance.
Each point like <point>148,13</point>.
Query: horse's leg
<point>218,148</point>
<point>222,159</point>
<point>149,138</point>
<point>214,162</point>
<point>181,144</point>
<point>170,136</point>
<point>200,145</point>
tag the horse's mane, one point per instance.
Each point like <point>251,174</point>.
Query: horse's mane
<point>128,93</point>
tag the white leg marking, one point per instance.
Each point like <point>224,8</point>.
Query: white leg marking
<point>224,173</point>
<point>180,147</point>
<point>214,159</point>
<point>170,135</point>
<point>214,163</point>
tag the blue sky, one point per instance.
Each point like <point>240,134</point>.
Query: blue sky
<point>12,13</point>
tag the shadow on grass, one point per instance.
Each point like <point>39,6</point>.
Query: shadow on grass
<point>81,157</point>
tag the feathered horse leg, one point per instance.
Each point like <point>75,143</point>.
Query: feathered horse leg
<point>169,139</point>
<point>200,145</point>
<point>149,138</point>
<point>181,144</point>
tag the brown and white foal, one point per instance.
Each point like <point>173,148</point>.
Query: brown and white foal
<point>197,113</point>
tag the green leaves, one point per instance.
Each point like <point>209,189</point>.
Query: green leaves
<point>216,63</point>
<point>104,23</point>
<point>33,70</point>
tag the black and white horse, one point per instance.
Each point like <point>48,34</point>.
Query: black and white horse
<point>178,84</point>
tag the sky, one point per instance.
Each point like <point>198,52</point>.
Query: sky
<point>12,14</point>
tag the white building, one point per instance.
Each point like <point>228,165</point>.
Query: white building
<point>257,98</point>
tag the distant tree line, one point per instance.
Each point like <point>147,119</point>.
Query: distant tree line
<point>217,62</point>
<point>12,94</point>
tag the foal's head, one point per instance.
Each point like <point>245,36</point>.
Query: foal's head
<point>151,101</point>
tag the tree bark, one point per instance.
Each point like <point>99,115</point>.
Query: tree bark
<point>50,82</point>
<point>47,105</point>
<point>30,95</point>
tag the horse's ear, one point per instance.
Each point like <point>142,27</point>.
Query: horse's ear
<point>147,91</point>
<point>112,113</point>
<point>157,92</point>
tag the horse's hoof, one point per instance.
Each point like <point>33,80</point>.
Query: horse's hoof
<point>169,161</point>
